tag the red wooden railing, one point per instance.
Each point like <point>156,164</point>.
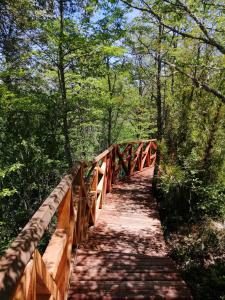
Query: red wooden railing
<point>24,272</point>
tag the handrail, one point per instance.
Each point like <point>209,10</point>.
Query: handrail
<point>24,273</point>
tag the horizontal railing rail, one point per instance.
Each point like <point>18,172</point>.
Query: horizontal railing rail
<point>24,272</point>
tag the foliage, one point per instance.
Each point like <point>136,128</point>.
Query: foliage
<point>187,196</point>
<point>66,93</point>
<point>77,76</point>
<point>199,253</point>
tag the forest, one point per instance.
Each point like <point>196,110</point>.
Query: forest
<point>79,75</point>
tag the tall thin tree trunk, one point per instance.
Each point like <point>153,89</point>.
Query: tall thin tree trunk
<point>208,153</point>
<point>141,93</point>
<point>159,107</point>
<point>62,84</point>
<point>110,88</point>
<point>109,138</point>
<point>184,118</point>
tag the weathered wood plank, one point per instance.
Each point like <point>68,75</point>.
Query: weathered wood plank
<point>45,283</point>
<point>73,222</point>
<point>54,252</point>
<point>125,256</point>
<point>101,182</point>
<point>13,263</point>
<point>103,154</point>
<point>26,285</point>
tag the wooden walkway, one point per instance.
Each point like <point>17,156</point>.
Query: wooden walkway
<point>125,256</point>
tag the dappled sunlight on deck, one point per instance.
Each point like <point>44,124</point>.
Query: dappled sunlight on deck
<point>125,256</point>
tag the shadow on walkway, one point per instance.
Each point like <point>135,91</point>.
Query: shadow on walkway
<point>125,256</point>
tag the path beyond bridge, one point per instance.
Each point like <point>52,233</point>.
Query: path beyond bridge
<point>125,256</point>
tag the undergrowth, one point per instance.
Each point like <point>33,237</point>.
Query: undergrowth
<point>199,252</point>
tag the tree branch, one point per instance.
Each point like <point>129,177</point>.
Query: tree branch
<point>197,83</point>
<point>207,40</point>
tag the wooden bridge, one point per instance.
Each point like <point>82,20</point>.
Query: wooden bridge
<point>125,256</point>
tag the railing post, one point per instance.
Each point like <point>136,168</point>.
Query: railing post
<point>93,196</point>
<point>139,160</point>
<point>148,155</point>
<point>104,161</point>
<point>141,157</point>
<point>48,276</point>
<point>94,183</point>
<point>153,157</point>
<point>114,164</point>
<point>78,183</point>
<point>130,160</point>
<point>109,172</point>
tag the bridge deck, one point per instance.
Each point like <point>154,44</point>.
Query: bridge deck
<point>125,256</point>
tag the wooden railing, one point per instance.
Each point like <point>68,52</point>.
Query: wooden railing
<point>24,272</point>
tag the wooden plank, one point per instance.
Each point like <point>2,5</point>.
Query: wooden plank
<point>54,251</point>
<point>109,172</point>
<point>79,217</point>
<point>94,180</point>
<point>64,269</point>
<point>139,149</point>
<point>45,283</point>
<point>64,211</point>
<point>82,220</point>
<point>100,170</point>
<point>98,207</point>
<point>147,149</point>
<point>137,285</point>
<point>145,155</point>
<point>101,183</point>
<point>13,263</point>
<point>137,141</point>
<point>18,256</point>
<point>129,159</point>
<point>103,167</point>
<point>125,275</point>
<point>126,256</point>
<point>154,145</point>
<point>113,165</point>
<point>90,269</point>
<point>143,160</point>
<point>127,148</point>
<point>136,159</point>
<point>103,154</point>
<point>94,184</point>
<point>92,209</point>
<point>113,147</point>
<point>93,195</point>
<point>98,201</point>
<point>148,156</point>
<point>27,284</point>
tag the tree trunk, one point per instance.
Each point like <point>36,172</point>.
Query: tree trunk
<point>62,85</point>
<point>159,108</point>
<point>208,153</point>
<point>110,89</point>
<point>109,138</point>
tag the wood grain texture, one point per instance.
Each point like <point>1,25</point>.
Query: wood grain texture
<point>125,256</point>
<point>79,199</point>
